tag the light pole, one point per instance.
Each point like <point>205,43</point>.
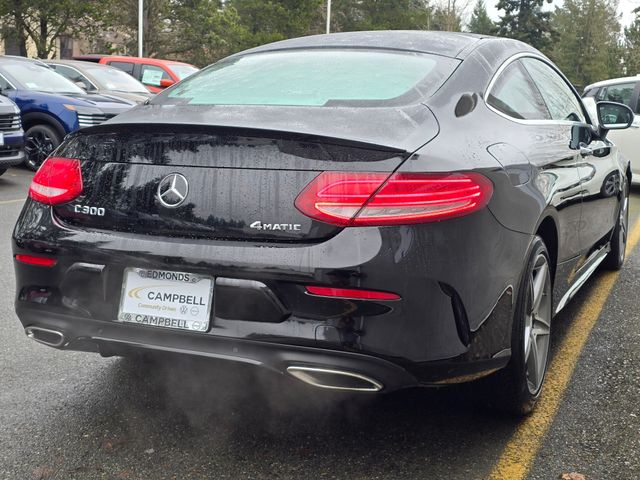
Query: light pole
<point>140,25</point>
<point>328,16</point>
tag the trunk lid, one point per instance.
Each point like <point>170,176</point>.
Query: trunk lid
<point>237,185</point>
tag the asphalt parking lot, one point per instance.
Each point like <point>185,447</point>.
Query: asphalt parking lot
<point>68,415</point>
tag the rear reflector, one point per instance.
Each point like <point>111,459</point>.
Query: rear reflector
<point>356,198</point>
<point>351,293</point>
<point>58,180</point>
<point>36,260</point>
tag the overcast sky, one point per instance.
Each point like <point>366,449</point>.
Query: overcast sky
<point>625,9</point>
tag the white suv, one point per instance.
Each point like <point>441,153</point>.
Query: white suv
<point>622,90</point>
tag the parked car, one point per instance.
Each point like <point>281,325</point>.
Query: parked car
<point>156,74</point>
<point>623,90</point>
<point>11,135</point>
<point>51,106</point>
<point>96,78</point>
<point>390,210</point>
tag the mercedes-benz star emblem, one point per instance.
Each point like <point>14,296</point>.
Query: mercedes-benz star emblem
<point>173,190</point>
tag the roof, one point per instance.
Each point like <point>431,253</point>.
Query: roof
<point>16,58</point>
<point>612,81</point>
<point>95,57</point>
<point>77,63</point>
<point>450,44</point>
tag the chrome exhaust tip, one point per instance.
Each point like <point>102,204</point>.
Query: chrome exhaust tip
<point>51,338</point>
<point>335,379</point>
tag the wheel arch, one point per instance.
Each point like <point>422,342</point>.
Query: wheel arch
<point>32,119</point>
<point>548,231</point>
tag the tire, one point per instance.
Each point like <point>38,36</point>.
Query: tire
<point>517,388</point>
<point>2,170</point>
<point>615,258</point>
<point>39,141</point>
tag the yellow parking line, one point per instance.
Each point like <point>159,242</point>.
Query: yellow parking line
<point>518,456</point>
<point>5,202</point>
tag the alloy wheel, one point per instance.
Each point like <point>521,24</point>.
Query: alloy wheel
<point>624,223</point>
<point>537,324</point>
<point>37,146</point>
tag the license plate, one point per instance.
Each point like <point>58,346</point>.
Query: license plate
<point>161,298</point>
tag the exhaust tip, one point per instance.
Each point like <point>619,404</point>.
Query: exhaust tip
<point>335,379</point>
<point>51,338</point>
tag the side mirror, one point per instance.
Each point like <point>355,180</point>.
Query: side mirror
<point>81,84</point>
<point>165,82</point>
<point>614,116</point>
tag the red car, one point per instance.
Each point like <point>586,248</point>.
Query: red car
<point>154,73</point>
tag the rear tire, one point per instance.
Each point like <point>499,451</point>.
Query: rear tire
<point>517,388</point>
<point>39,141</point>
<point>615,258</point>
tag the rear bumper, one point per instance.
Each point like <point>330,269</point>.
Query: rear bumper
<point>116,338</point>
<point>453,322</point>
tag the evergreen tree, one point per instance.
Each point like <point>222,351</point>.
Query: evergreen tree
<point>447,17</point>
<point>586,50</point>
<point>632,46</point>
<point>480,21</point>
<point>352,15</point>
<point>525,20</point>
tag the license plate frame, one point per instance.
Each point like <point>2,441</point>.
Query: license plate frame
<point>166,299</point>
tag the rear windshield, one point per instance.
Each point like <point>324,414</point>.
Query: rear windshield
<point>323,77</point>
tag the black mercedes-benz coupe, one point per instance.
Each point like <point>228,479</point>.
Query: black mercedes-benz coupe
<point>362,211</point>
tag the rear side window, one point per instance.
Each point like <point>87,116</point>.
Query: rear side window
<point>562,103</point>
<point>515,95</point>
<point>318,77</point>
<point>621,93</point>
<point>124,66</point>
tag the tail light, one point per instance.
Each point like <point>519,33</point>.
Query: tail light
<point>361,199</point>
<point>58,180</point>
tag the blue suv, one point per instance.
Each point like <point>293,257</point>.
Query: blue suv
<point>51,106</point>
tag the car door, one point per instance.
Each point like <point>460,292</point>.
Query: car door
<point>598,166</point>
<point>546,144</point>
<point>628,140</point>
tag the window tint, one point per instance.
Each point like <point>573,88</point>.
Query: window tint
<point>514,94</point>
<point>73,75</point>
<point>151,75</point>
<point>560,100</point>
<point>124,66</point>
<point>620,93</point>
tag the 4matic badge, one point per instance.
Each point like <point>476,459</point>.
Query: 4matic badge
<point>285,227</point>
